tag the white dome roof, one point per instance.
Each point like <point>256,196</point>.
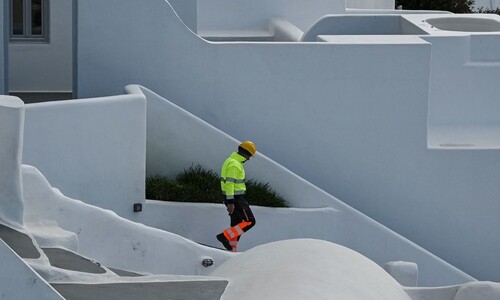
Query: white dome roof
<point>306,269</point>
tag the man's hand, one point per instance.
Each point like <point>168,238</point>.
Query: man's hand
<point>230,208</point>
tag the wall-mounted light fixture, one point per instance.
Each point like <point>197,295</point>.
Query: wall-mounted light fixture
<point>137,207</point>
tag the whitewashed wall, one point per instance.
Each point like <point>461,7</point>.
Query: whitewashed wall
<point>17,279</point>
<point>4,48</point>
<point>469,96</point>
<point>371,4</point>
<point>345,227</point>
<point>91,149</point>
<point>45,67</point>
<point>177,139</point>
<point>11,137</point>
<point>350,118</point>
<point>255,14</point>
<point>361,25</point>
<point>187,10</point>
<point>112,240</point>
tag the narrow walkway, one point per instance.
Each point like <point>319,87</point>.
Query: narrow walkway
<point>176,290</point>
<point>68,260</point>
<point>21,243</point>
<point>129,286</point>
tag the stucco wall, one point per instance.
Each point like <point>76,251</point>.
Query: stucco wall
<point>371,4</point>
<point>112,240</point>
<point>45,67</point>
<point>352,119</point>
<point>255,14</point>
<point>91,149</point>
<point>347,228</point>
<point>360,25</point>
<point>11,135</point>
<point>4,47</point>
<point>177,139</point>
<point>463,89</point>
<point>187,10</point>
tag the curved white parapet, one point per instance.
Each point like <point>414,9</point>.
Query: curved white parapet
<point>121,243</point>
<point>11,137</point>
<point>465,24</point>
<point>306,269</point>
<point>358,25</point>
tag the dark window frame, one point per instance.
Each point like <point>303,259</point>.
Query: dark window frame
<point>28,36</point>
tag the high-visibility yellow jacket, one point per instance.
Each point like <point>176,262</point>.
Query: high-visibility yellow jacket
<point>233,177</point>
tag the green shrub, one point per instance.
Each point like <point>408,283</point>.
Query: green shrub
<point>263,195</point>
<point>197,184</point>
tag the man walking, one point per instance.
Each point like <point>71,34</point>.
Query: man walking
<point>233,188</point>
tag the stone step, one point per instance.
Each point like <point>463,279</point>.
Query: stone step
<point>20,242</point>
<point>172,290</point>
<point>64,259</point>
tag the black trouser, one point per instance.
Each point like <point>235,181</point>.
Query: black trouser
<point>242,212</point>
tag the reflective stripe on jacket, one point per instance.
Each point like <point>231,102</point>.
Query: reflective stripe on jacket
<point>233,177</point>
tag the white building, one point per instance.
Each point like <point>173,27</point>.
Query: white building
<point>392,112</point>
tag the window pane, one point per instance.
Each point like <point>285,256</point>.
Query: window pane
<point>17,17</point>
<point>36,17</point>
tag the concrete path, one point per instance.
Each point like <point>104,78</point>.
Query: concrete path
<point>124,273</point>
<point>128,286</point>
<point>174,290</point>
<point>68,260</point>
<point>21,243</point>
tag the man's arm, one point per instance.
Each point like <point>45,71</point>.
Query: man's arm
<point>230,179</point>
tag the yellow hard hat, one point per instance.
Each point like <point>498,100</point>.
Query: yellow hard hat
<point>249,146</point>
